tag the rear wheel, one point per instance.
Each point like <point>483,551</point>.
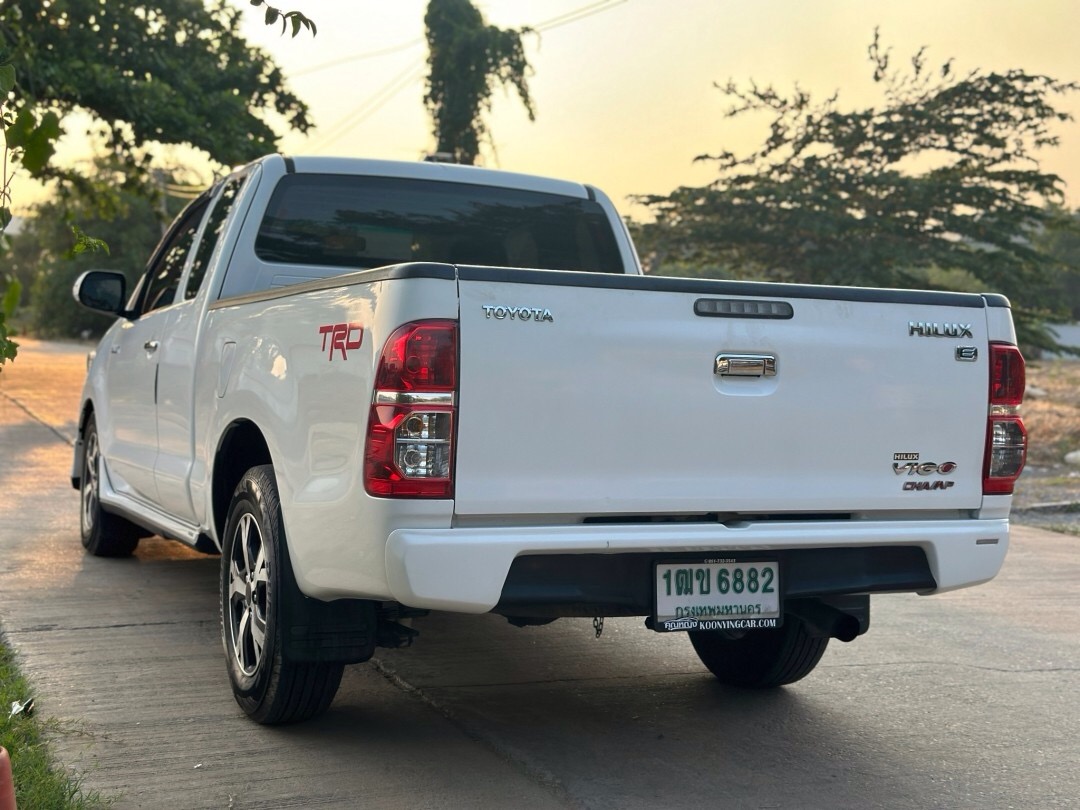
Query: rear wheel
<point>103,534</point>
<point>760,658</point>
<point>269,686</point>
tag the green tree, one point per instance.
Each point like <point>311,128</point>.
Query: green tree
<point>467,59</point>
<point>171,71</point>
<point>163,71</point>
<point>941,176</point>
<point>123,210</point>
<point>1062,241</point>
<point>10,289</point>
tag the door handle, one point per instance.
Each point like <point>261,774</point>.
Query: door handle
<point>745,365</point>
<point>151,346</point>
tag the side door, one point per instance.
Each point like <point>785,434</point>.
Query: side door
<point>177,370</point>
<point>128,418</point>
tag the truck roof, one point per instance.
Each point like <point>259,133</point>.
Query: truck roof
<point>420,170</point>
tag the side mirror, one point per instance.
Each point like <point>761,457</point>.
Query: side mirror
<point>101,290</point>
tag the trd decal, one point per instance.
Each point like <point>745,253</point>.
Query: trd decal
<point>341,336</point>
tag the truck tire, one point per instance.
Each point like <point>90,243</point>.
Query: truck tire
<point>269,686</point>
<point>103,534</point>
<point>761,658</point>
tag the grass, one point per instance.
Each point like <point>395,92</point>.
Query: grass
<point>39,783</point>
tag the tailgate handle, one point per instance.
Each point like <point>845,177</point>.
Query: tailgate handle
<point>745,365</point>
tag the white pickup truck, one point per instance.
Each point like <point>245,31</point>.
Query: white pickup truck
<point>381,389</point>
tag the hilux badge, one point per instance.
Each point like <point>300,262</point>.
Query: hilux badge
<point>944,330</point>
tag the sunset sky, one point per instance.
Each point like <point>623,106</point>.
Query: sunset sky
<point>625,97</point>
<point>624,91</point>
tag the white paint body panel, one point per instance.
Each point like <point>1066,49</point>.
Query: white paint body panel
<point>464,569</point>
<point>611,408</point>
<point>614,407</point>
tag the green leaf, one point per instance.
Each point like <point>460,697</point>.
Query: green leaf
<point>36,139</point>
<point>296,25</point>
<point>8,347</point>
<point>7,80</point>
<point>210,90</point>
<point>84,243</point>
<point>5,217</point>
<point>11,298</point>
<point>271,15</point>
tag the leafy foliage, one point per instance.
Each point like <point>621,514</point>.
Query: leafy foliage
<point>293,19</point>
<point>1061,241</point>
<point>8,347</point>
<point>84,243</point>
<point>164,71</point>
<point>120,209</point>
<point>7,120</point>
<point>467,58</point>
<point>942,176</point>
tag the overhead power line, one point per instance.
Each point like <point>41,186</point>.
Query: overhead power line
<point>357,57</point>
<point>383,95</point>
<point>372,104</point>
<point>546,25</point>
<point>575,15</point>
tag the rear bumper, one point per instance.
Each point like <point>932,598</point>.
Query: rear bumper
<point>473,570</point>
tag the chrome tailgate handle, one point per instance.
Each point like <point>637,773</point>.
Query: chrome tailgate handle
<point>745,365</point>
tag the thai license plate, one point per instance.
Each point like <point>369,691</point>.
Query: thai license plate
<point>717,595</point>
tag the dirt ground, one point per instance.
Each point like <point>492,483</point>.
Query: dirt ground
<point>1048,493</point>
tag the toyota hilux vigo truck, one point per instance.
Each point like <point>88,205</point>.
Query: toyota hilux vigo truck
<point>381,389</point>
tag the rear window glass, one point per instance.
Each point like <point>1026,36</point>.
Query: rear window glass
<point>364,222</point>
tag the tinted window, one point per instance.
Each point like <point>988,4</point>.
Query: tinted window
<point>163,276</point>
<point>211,234</point>
<point>362,222</point>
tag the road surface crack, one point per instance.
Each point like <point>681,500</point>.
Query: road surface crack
<point>18,404</point>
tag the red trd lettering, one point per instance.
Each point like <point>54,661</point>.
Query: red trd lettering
<point>324,331</point>
<point>338,341</point>
<point>354,344</point>
<point>341,338</point>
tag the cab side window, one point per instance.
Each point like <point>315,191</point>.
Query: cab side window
<point>163,276</point>
<point>212,235</point>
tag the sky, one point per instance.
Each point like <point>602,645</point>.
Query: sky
<point>625,92</point>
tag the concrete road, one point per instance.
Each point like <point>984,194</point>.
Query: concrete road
<point>967,700</point>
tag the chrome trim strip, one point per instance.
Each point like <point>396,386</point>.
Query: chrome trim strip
<point>414,398</point>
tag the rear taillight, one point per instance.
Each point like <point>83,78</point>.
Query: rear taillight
<point>1006,438</point>
<point>410,442</point>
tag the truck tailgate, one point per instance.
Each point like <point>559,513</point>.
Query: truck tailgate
<point>594,395</point>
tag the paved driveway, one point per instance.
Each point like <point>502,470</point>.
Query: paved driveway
<point>963,700</point>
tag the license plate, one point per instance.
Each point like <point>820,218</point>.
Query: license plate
<point>717,595</point>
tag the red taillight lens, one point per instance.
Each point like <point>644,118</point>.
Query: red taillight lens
<point>1006,437</point>
<point>1007,376</point>
<point>419,356</point>
<point>410,441</point>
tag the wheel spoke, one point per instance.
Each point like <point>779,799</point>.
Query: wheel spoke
<point>258,636</point>
<point>261,572</point>
<point>243,640</point>
<point>237,591</point>
<point>245,532</point>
